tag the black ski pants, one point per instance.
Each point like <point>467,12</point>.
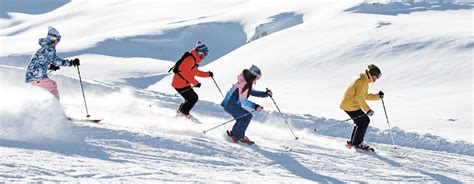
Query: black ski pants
<point>190,98</point>
<point>362,122</point>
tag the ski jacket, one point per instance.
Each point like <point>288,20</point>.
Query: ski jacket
<point>187,71</point>
<point>235,97</point>
<point>42,59</point>
<point>356,94</point>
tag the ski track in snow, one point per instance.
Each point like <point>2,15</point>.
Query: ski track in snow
<point>121,154</point>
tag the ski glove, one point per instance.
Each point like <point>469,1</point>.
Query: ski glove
<point>198,85</point>
<point>53,67</point>
<point>381,94</point>
<point>259,108</point>
<point>370,112</point>
<point>75,62</point>
<point>269,93</point>
<point>211,74</point>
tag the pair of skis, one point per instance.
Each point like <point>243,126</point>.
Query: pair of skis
<point>363,147</point>
<point>84,120</point>
<point>370,149</point>
<point>229,137</point>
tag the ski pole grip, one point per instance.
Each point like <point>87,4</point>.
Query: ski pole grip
<point>267,91</point>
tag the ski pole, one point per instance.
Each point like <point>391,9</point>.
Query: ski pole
<point>204,132</point>
<point>82,88</point>
<point>217,86</point>
<point>339,122</point>
<point>283,116</point>
<point>388,123</point>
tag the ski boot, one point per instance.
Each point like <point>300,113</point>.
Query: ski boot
<point>246,140</point>
<point>364,147</point>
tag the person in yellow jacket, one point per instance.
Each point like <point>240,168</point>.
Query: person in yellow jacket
<point>355,105</point>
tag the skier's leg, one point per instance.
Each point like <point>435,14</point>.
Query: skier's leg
<point>190,98</point>
<point>241,124</point>
<point>48,85</point>
<point>245,123</point>
<point>359,119</point>
<point>362,128</point>
<point>362,121</point>
<point>354,130</point>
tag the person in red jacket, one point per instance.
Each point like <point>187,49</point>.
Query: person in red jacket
<point>184,78</point>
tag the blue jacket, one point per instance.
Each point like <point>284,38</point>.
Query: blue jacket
<point>39,64</point>
<point>235,97</point>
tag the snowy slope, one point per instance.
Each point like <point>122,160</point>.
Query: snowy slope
<point>142,141</point>
<point>426,66</point>
<point>309,52</point>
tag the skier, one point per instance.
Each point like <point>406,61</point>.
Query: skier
<point>236,99</point>
<point>185,71</point>
<point>45,58</point>
<point>354,102</point>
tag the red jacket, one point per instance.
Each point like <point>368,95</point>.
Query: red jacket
<point>188,70</point>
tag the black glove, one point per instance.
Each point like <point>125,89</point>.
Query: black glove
<point>53,67</point>
<point>198,85</point>
<point>370,112</point>
<point>211,74</point>
<point>381,94</point>
<point>269,92</point>
<point>75,62</point>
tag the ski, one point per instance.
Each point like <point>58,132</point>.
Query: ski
<point>364,148</point>
<point>192,119</point>
<point>234,140</point>
<point>84,120</point>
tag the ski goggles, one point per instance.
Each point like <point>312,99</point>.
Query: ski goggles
<point>379,75</point>
<point>255,74</point>
<point>204,52</point>
<point>54,37</point>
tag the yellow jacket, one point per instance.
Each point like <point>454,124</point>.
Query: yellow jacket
<point>356,94</point>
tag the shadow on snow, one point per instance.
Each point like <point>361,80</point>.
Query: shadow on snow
<point>405,8</point>
<point>34,7</point>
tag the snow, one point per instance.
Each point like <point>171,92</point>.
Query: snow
<point>309,52</point>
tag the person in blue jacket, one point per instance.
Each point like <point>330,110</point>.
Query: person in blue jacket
<point>236,101</point>
<point>46,59</point>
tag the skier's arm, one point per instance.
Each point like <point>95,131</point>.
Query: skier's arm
<point>258,93</point>
<point>373,97</point>
<point>247,103</point>
<point>203,74</point>
<point>57,60</point>
<point>361,95</point>
<point>185,69</point>
<point>244,101</point>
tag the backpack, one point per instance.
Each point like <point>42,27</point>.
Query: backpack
<point>175,68</point>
